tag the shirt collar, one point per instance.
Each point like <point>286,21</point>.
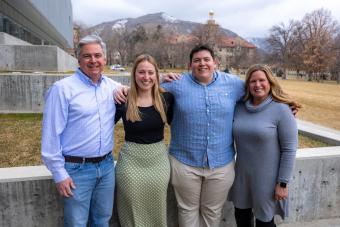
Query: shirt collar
<point>87,80</point>
<point>215,76</point>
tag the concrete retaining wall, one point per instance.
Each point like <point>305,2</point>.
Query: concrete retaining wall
<point>29,197</point>
<point>24,93</point>
<point>35,58</point>
<point>6,39</point>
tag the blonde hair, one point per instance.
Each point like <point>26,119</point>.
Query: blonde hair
<point>275,89</point>
<point>132,112</point>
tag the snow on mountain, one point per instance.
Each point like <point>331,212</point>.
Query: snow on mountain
<point>168,18</point>
<point>260,43</point>
<point>119,24</point>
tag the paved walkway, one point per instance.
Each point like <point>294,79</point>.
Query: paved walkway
<point>318,223</point>
<point>324,134</point>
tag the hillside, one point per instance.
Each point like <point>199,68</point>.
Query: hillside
<point>169,25</point>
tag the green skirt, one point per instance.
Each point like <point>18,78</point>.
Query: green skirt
<point>142,178</point>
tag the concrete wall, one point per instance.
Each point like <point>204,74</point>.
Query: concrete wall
<point>6,39</point>
<point>29,197</point>
<point>35,58</point>
<point>315,188</point>
<point>24,93</point>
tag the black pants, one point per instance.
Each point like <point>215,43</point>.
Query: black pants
<point>245,218</point>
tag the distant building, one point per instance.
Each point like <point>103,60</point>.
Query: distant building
<point>36,35</point>
<point>228,49</point>
<point>231,51</point>
<point>39,22</point>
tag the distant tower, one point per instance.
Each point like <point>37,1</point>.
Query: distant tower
<point>211,31</point>
<point>211,17</point>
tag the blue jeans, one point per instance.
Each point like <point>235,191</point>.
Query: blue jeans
<point>92,200</point>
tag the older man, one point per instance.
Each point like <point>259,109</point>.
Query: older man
<point>77,137</point>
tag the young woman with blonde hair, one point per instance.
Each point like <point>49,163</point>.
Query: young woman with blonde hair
<point>143,169</point>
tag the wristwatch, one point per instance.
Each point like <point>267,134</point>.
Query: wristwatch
<point>283,185</point>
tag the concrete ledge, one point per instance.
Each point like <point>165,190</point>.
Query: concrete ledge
<point>318,132</point>
<point>325,152</point>
<point>27,173</point>
<point>335,222</point>
<point>29,198</point>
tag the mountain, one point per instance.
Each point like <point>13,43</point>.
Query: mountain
<point>260,43</point>
<point>169,24</point>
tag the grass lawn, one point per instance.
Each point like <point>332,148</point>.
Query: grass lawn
<point>20,139</point>
<point>20,133</point>
<point>321,101</point>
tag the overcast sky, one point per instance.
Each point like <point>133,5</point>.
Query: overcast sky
<point>247,18</point>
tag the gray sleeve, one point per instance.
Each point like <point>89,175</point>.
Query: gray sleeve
<point>288,140</point>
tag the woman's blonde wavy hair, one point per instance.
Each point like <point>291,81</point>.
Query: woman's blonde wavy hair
<point>275,89</point>
<point>132,113</point>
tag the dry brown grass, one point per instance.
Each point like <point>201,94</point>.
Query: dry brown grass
<point>321,101</point>
<point>20,140</point>
<point>20,133</point>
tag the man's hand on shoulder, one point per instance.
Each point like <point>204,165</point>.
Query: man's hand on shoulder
<point>65,187</point>
<point>169,77</point>
<point>294,110</point>
<point>120,94</point>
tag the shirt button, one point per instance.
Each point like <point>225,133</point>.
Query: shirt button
<point>208,110</point>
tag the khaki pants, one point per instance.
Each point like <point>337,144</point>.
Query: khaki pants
<point>200,193</point>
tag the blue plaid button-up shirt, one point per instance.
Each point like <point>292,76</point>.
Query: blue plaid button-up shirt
<point>201,129</point>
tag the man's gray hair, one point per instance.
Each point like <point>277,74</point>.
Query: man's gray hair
<point>90,39</point>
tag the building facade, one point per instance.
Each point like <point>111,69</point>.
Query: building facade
<point>39,22</point>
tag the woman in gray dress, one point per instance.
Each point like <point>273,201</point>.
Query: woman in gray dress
<point>265,134</point>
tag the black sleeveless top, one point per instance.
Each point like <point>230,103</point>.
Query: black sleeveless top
<point>151,128</point>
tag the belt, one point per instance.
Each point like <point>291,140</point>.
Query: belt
<point>76,159</point>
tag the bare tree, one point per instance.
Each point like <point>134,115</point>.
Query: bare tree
<point>117,47</point>
<point>209,34</point>
<point>335,68</point>
<point>317,34</point>
<point>157,46</point>
<point>281,41</point>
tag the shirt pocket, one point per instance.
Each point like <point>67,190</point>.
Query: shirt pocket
<point>222,102</point>
<point>107,104</point>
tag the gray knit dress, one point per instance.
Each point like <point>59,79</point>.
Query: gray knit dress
<point>266,143</point>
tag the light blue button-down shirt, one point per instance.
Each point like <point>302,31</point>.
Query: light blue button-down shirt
<point>201,129</point>
<point>78,121</point>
